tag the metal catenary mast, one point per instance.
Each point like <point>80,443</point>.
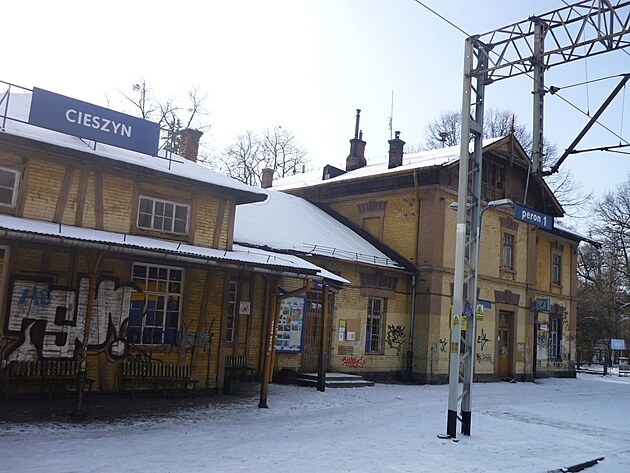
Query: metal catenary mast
<point>577,31</point>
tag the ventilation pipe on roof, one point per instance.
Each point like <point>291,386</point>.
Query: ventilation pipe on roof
<point>189,143</point>
<point>356,158</point>
<point>266,180</point>
<point>396,150</point>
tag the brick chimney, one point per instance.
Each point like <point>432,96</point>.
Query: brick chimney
<point>266,180</point>
<point>189,143</point>
<point>356,158</point>
<point>396,147</point>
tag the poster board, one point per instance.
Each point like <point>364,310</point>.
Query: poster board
<point>290,325</point>
<point>353,330</point>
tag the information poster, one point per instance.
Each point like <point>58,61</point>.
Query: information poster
<point>289,339</point>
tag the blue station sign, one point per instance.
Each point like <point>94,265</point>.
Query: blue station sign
<point>85,120</point>
<point>532,216</point>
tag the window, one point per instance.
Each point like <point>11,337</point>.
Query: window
<point>8,186</point>
<point>375,324</point>
<point>493,174</point>
<point>163,216</point>
<point>154,312</point>
<point>555,336</point>
<point>231,311</point>
<point>508,251</point>
<point>556,269</point>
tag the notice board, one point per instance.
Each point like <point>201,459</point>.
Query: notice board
<point>290,325</point>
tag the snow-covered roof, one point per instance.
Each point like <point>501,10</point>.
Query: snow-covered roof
<point>378,166</point>
<point>239,254</point>
<point>16,124</point>
<point>285,222</point>
<point>573,233</point>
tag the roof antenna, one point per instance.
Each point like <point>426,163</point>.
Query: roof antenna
<point>391,117</point>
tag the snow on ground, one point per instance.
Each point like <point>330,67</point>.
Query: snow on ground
<point>517,427</point>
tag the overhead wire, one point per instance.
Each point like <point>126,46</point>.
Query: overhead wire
<point>443,18</point>
<point>587,82</point>
<point>555,90</point>
<point>583,112</point>
<point>623,108</point>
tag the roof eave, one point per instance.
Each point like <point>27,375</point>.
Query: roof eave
<point>16,140</point>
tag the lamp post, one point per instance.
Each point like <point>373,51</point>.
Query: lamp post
<point>469,356</point>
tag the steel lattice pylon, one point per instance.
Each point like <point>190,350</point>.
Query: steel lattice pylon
<point>577,31</point>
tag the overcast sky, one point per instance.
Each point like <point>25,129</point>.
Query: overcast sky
<point>305,65</point>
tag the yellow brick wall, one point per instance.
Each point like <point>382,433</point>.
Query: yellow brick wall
<point>42,190</point>
<point>117,203</point>
<point>351,304</point>
<point>64,267</point>
<point>44,186</point>
<point>399,223</point>
<point>206,222</point>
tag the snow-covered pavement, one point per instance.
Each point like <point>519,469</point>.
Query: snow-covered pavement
<point>516,427</point>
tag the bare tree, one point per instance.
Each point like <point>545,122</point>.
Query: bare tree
<point>281,151</point>
<point>604,274</point>
<point>275,148</point>
<point>614,227</point>
<point>446,131</point>
<point>243,159</point>
<point>171,114</point>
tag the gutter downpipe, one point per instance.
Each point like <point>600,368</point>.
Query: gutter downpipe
<point>412,321</point>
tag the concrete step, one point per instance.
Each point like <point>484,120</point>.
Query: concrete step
<point>334,380</point>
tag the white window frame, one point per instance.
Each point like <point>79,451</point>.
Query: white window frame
<point>165,294</point>
<point>505,247</point>
<point>154,201</point>
<point>375,319</point>
<point>16,180</point>
<point>555,337</point>
<point>556,269</point>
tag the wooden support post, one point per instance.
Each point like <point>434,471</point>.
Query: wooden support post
<point>322,359</point>
<point>201,324</point>
<point>269,340</point>
<point>94,264</point>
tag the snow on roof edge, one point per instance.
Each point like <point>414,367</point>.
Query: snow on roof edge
<point>237,255</point>
<point>16,124</point>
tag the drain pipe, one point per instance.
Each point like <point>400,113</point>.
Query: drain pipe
<point>411,328</point>
<point>412,321</point>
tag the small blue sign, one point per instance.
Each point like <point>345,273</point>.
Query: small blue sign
<point>485,304</point>
<point>468,310</point>
<point>532,216</point>
<point>75,117</point>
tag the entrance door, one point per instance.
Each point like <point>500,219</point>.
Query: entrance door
<point>504,345</point>
<point>313,330</point>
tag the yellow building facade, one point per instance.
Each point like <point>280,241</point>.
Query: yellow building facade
<point>112,257</point>
<point>404,203</point>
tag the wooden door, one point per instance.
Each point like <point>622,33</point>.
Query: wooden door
<point>504,345</point>
<point>312,332</point>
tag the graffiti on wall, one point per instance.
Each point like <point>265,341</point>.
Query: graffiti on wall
<point>484,358</point>
<point>482,340</point>
<point>442,343</point>
<point>395,338</point>
<point>48,320</point>
<point>522,352</point>
<point>353,361</point>
<point>542,344</point>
